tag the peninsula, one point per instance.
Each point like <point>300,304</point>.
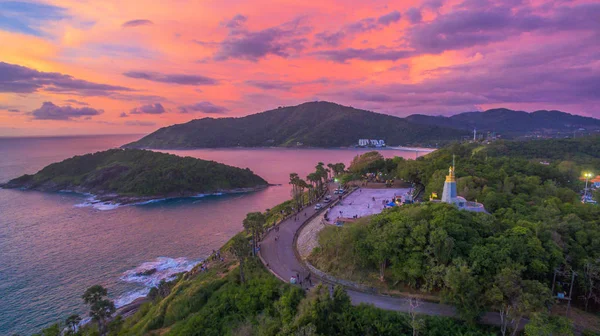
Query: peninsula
<point>133,175</point>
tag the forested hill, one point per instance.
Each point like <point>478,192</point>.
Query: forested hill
<point>511,123</point>
<point>134,172</point>
<point>583,151</point>
<point>313,124</point>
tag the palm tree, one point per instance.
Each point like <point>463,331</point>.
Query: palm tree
<point>322,174</point>
<point>100,308</point>
<point>254,223</point>
<point>298,186</point>
<point>313,178</point>
<point>331,169</point>
<point>239,248</point>
<point>294,181</point>
<point>72,322</point>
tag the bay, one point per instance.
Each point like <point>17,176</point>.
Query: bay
<point>52,246</point>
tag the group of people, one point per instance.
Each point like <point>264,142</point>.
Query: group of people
<point>216,255</point>
<point>297,280</point>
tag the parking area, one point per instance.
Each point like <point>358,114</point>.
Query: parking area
<point>365,202</point>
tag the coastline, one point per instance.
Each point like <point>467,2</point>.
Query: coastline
<point>112,201</point>
<point>407,148</point>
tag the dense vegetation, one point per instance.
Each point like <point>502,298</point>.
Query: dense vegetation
<point>133,172</point>
<point>504,261</point>
<point>315,124</point>
<point>512,123</point>
<point>217,303</point>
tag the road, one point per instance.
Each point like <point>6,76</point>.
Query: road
<point>279,257</point>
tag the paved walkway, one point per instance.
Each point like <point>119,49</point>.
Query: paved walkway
<point>280,258</point>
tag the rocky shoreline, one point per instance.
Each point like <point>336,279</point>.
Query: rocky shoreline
<point>116,199</point>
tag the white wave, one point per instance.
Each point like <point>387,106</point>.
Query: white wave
<point>162,268</point>
<point>96,204</point>
<point>205,195</point>
<point>151,201</point>
<point>129,297</point>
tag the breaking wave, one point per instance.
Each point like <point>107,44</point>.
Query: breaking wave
<point>91,201</point>
<point>149,274</point>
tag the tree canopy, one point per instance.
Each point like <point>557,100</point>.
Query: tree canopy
<point>139,173</point>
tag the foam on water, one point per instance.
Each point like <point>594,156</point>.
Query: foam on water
<point>94,203</point>
<point>166,269</point>
<point>151,201</point>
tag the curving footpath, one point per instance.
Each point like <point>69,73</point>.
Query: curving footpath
<point>278,254</point>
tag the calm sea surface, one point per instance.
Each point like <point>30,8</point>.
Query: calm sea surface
<point>54,246</point>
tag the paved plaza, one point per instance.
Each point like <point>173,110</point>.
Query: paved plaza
<point>365,202</point>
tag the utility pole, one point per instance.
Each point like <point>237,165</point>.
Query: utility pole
<point>585,191</point>
<point>570,292</point>
<point>562,296</point>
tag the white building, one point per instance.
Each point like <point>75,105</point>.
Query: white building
<point>371,143</point>
<point>450,196</point>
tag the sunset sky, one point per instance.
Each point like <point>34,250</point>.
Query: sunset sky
<point>121,66</point>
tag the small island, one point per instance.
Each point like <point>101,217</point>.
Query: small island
<point>132,175</point>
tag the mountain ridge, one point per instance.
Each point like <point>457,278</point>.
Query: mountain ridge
<point>510,122</point>
<point>327,124</point>
<point>313,124</point>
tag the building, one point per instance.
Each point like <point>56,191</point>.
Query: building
<point>450,196</point>
<point>371,143</point>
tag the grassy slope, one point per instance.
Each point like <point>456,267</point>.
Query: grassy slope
<point>317,124</point>
<point>140,173</point>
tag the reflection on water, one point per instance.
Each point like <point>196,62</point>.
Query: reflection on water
<point>52,249</point>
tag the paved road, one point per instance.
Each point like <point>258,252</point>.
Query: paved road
<point>279,256</point>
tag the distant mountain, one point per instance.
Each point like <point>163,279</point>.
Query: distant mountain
<point>313,124</point>
<point>132,175</point>
<point>509,122</point>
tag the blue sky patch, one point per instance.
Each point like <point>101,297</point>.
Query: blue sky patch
<point>28,17</point>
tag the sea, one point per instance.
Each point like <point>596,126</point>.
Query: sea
<point>55,245</point>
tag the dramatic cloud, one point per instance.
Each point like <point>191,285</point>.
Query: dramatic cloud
<point>236,22</point>
<point>9,108</point>
<point>389,18</point>
<point>463,55</point>
<point>181,79</point>
<point>369,54</point>
<point>139,123</point>
<point>333,39</point>
<point>49,111</point>
<point>280,41</point>
<point>136,23</point>
<point>464,28</point>
<point>20,79</point>
<point>413,15</point>
<point>28,17</point>
<point>204,107</point>
<point>270,85</point>
<point>534,76</point>
<point>156,108</point>
<point>329,39</point>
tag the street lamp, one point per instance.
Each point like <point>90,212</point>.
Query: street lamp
<point>587,177</point>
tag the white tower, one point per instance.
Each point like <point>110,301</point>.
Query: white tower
<point>449,194</point>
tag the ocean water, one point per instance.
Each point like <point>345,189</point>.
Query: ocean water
<point>55,245</point>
